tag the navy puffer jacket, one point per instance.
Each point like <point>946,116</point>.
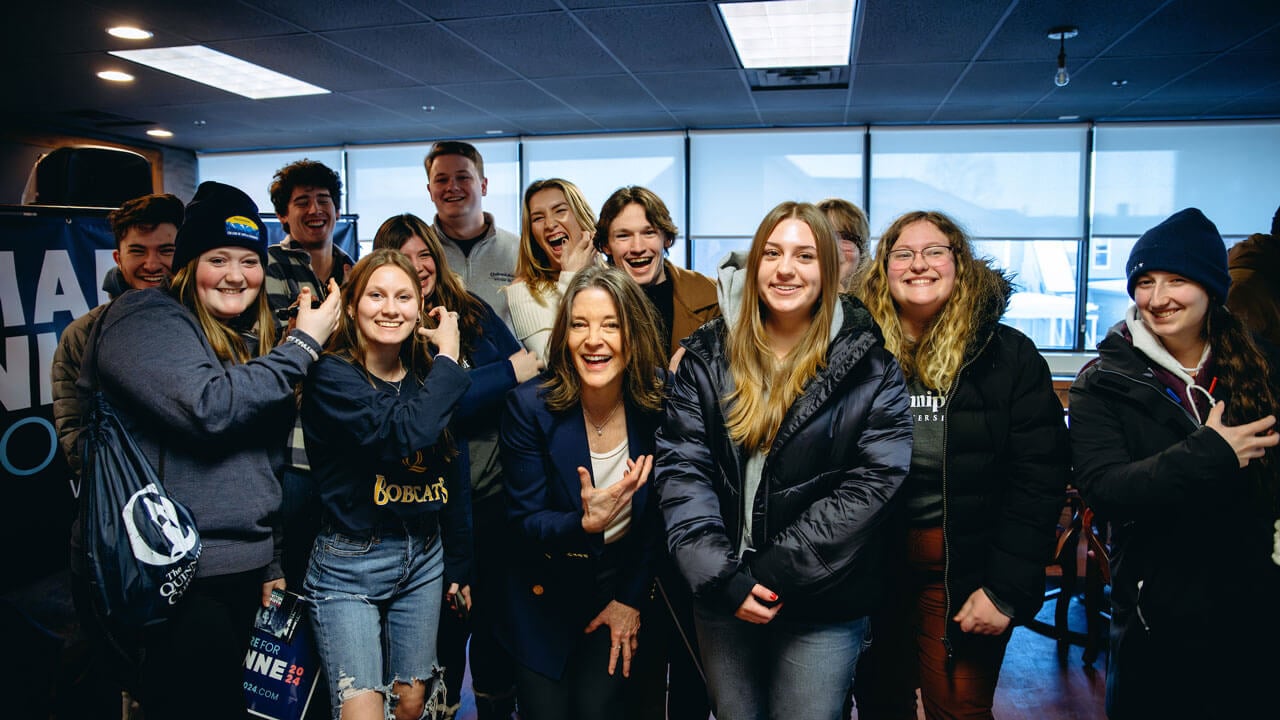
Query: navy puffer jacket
<point>842,452</point>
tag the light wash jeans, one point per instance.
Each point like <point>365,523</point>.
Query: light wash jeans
<point>375,608</point>
<point>787,669</point>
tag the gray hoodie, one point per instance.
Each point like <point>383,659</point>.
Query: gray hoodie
<point>214,431</point>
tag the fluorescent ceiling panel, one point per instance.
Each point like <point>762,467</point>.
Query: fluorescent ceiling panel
<point>790,33</point>
<point>199,63</point>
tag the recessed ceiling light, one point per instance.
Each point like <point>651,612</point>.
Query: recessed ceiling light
<point>199,63</point>
<point>1068,117</point>
<point>790,33</point>
<point>127,32</point>
<point>159,132</point>
<point>1119,83</point>
<point>428,108</point>
<point>492,132</point>
<point>115,76</point>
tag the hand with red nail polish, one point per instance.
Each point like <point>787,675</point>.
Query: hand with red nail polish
<point>760,607</point>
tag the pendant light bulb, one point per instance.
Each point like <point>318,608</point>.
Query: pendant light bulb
<point>1061,78</point>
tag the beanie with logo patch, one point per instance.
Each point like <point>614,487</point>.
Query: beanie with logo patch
<point>219,216</point>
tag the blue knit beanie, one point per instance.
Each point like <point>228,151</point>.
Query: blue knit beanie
<point>1186,244</point>
<point>219,216</point>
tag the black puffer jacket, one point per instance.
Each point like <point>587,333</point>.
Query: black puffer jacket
<point>1006,466</point>
<point>1188,528</point>
<point>841,453</point>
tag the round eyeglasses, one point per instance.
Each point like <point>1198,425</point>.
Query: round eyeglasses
<point>934,255</point>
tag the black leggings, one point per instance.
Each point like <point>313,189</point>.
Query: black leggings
<point>193,666</point>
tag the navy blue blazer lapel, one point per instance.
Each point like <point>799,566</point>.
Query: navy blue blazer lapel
<point>568,449</point>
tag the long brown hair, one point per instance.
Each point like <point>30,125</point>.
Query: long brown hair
<point>449,291</point>
<point>532,263</point>
<point>227,343</point>
<point>764,386</point>
<point>1245,372</point>
<point>642,380</point>
<point>936,357</point>
<point>348,343</point>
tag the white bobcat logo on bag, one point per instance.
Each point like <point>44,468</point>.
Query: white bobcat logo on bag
<point>161,513</point>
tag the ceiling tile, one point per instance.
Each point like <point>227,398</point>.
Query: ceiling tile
<point>613,94</point>
<point>425,52</point>
<point>537,46</point>
<point>648,39</point>
<point>320,15</point>
<point>710,89</point>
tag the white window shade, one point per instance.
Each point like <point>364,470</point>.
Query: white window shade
<point>1146,172</point>
<point>997,182</point>
<point>737,177</point>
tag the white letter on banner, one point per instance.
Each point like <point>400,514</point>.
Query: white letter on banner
<point>15,374</point>
<point>10,299</point>
<point>57,277</point>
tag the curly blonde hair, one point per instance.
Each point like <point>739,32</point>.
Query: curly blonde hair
<point>934,358</point>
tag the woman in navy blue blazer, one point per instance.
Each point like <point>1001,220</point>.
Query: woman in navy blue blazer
<point>577,447</point>
<point>495,364</point>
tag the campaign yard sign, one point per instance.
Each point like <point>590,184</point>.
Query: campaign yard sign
<point>281,665</point>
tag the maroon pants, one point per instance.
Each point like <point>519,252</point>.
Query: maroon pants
<point>907,650</point>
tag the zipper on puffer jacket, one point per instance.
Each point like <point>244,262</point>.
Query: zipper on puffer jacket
<point>946,504</point>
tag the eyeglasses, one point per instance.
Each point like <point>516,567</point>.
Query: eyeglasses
<point>934,255</point>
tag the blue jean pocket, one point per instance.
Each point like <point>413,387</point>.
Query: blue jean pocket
<point>347,546</point>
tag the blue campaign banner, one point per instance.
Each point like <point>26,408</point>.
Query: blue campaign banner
<point>281,666</point>
<point>52,261</point>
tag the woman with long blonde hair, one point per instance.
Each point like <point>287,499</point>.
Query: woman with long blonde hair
<point>556,231</point>
<point>988,473</point>
<point>786,434</point>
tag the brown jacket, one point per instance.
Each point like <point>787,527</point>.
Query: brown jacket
<point>694,300</point>
<point>1255,285</point>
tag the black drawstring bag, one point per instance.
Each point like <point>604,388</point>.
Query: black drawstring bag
<point>141,545</point>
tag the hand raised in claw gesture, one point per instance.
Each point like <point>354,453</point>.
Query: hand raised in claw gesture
<point>600,506</point>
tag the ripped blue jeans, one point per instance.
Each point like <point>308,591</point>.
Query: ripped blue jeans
<point>375,609</point>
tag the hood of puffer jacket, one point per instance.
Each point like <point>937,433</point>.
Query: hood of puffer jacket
<point>994,291</point>
<point>731,280</point>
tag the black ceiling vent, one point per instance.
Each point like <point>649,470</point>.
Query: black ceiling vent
<point>804,78</point>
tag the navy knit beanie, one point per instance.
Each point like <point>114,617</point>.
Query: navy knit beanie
<point>219,216</point>
<point>1186,244</point>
